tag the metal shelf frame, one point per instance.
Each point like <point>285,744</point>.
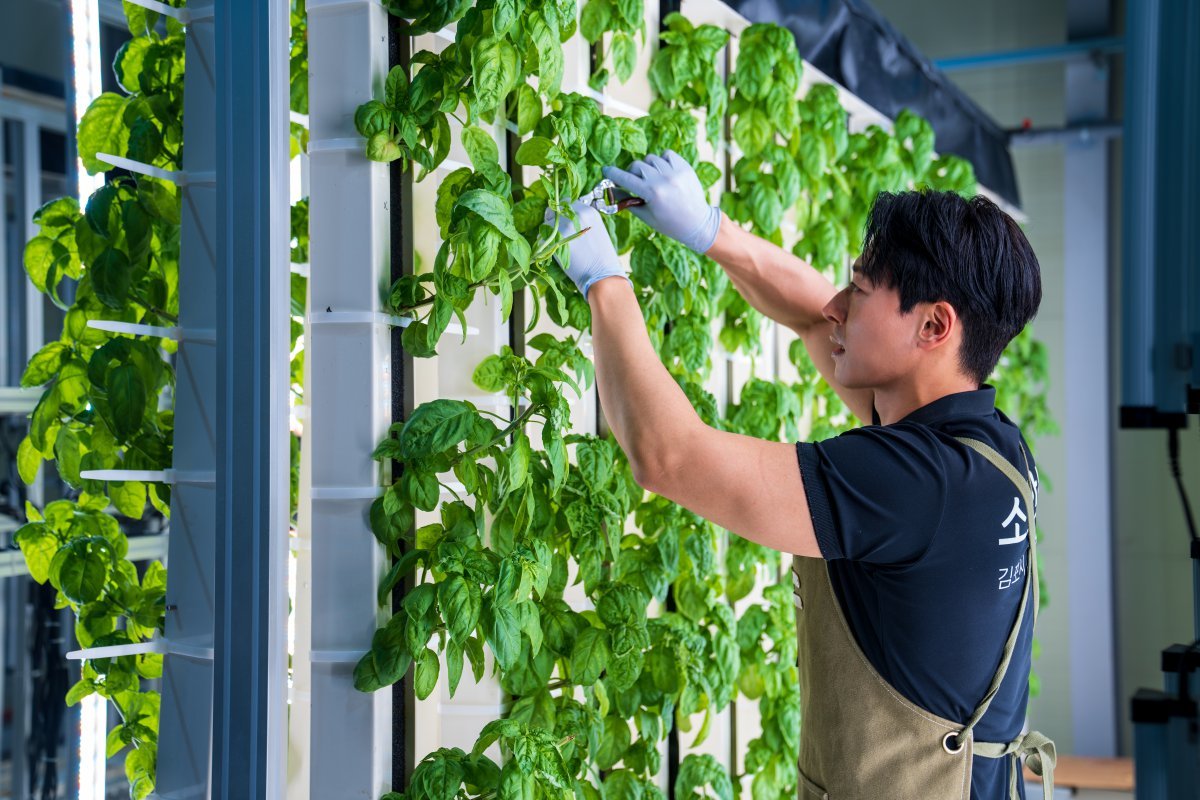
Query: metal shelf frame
<point>224,711</point>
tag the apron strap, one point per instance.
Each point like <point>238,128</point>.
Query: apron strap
<point>1024,489</point>
<point>1040,757</point>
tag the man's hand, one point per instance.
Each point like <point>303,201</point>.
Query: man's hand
<point>592,255</point>
<point>675,202</point>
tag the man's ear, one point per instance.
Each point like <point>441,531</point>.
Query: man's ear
<point>938,325</point>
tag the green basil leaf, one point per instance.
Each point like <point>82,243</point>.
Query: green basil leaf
<point>550,56</point>
<point>81,568</point>
<point>534,152</point>
<point>39,546</point>
<point>613,742</point>
<point>381,147</point>
<point>505,635</point>
<point>753,131</point>
<point>494,71</point>
<point>127,395</point>
<point>373,117</point>
<point>395,89</point>
<point>595,19</point>
<point>435,427</point>
<point>28,460</point>
<point>492,208</point>
<point>624,54</point>
<point>460,602</point>
<point>503,16</point>
<point>426,674</point>
<point>529,109</point>
<point>45,364</point>
<point>589,656</point>
<point>103,130</point>
<point>605,142</point>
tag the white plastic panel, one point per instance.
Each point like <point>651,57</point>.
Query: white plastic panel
<point>185,725</point>
<point>347,753</point>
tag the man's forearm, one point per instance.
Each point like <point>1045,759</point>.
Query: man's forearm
<point>782,286</point>
<point>643,405</point>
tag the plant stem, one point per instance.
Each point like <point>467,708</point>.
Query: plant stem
<point>155,309</point>
<point>500,436</point>
<point>470,287</point>
<point>128,611</point>
<point>451,491</point>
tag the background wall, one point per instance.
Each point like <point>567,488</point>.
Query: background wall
<point>38,53</point>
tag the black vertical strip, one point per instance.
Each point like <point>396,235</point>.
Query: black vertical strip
<point>666,7</point>
<point>517,319</point>
<point>399,205</point>
<point>594,58</point>
<point>601,426</point>
<point>727,182</point>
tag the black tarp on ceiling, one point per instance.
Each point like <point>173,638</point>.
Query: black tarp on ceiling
<point>854,45</point>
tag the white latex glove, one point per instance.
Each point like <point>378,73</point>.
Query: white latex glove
<point>592,255</point>
<point>675,202</point>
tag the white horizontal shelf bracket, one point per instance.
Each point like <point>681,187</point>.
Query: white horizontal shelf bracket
<point>300,269</point>
<point>613,102</point>
<point>336,656</point>
<point>151,475</point>
<point>164,646</point>
<point>471,709</point>
<point>136,329</point>
<point>326,6</point>
<point>373,318</point>
<point>450,165</point>
<point>182,15</point>
<point>299,119</point>
<point>351,144</point>
<point>345,492</point>
<point>178,177</point>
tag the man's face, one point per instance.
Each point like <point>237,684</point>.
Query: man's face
<point>874,344</point>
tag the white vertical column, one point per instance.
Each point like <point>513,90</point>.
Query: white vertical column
<point>347,402</point>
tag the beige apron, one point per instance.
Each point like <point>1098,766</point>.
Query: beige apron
<point>861,739</point>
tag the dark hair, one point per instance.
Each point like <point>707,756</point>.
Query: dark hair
<point>933,246</point>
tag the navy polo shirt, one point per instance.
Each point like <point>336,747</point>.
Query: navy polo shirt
<point>926,546</point>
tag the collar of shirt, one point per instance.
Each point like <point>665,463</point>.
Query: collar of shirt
<point>980,402</point>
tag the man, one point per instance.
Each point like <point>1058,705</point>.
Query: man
<point>915,577</point>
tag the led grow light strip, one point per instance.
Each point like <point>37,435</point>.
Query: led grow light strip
<point>85,60</point>
<point>93,733</point>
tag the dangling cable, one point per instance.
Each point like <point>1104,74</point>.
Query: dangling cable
<point>1173,451</point>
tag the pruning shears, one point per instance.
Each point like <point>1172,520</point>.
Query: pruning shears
<point>604,198</point>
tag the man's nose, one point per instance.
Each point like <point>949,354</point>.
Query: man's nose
<point>835,309</point>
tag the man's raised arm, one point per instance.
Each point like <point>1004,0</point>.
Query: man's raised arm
<point>780,285</point>
<point>790,291</point>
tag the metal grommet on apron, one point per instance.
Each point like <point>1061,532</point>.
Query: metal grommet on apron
<point>861,737</point>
